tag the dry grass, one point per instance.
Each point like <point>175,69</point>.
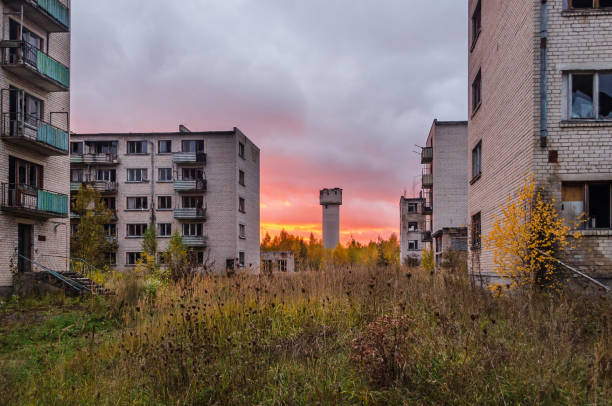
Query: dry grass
<point>347,336</point>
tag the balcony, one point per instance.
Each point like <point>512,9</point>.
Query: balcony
<point>95,159</point>
<point>427,155</point>
<point>427,209</point>
<point>189,214</point>
<point>50,15</point>
<point>195,241</point>
<point>35,134</point>
<point>427,181</point>
<point>426,236</point>
<point>101,186</point>
<point>35,66</point>
<point>190,185</point>
<point>189,158</point>
<point>26,201</point>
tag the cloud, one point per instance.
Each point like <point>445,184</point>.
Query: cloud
<point>335,92</point>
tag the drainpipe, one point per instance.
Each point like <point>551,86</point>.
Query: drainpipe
<point>543,73</point>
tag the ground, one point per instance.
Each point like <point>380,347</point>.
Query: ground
<point>345,336</point>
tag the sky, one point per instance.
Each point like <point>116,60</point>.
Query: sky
<point>336,93</point>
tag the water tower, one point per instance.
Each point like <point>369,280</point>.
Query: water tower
<point>331,200</point>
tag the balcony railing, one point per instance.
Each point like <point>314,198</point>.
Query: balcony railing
<point>101,186</point>
<point>34,133</point>
<point>51,15</point>
<point>427,181</point>
<point>30,63</point>
<point>99,159</point>
<point>426,236</point>
<point>189,214</point>
<point>189,157</point>
<point>426,155</point>
<point>28,201</point>
<point>190,185</point>
<point>195,241</point>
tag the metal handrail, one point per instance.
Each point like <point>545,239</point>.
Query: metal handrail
<point>57,275</point>
<point>577,272</point>
<point>14,125</point>
<point>27,54</point>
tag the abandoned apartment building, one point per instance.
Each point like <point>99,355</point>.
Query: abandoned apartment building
<point>203,185</point>
<point>413,213</point>
<point>540,97</point>
<point>444,183</point>
<point>277,261</point>
<point>34,162</point>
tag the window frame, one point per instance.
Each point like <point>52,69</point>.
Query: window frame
<point>241,150</point>
<point>242,231</point>
<point>241,205</point>
<point>193,229</point>
<point>164,142</point>
<point>241,177</point>
<point>477,81</point>
<point>164,171</point>
<point>142,199</point>
<point>595,96</point>
<point>596,6</point>
<point>136,257</point>
<point>477,148</point>
<point>143,179</point>
<point>166,227</point>
<point>135,230</point>
<point>476,233</point>
<point>476,28</point>
<point>144,147</point>
<point>166,198</point>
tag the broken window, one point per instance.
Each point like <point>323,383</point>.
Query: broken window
<point>582,96</point>
<point>413,245</point>
<point>586,4</point>
<point>133,257</point>
<point>476,231</point>
<point>477,160</point>
<point>413,226</point>
<point>588,204</point>
<point>605,96</point>
<point>477,92</point>
<point>476,22</point>
<point>412,207</point>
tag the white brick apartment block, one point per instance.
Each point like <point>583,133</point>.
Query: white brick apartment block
<point>540,97</point>
<point>412,229</point>
<point>444,185</point>
<point>34,128</point>
<point>205,185</point>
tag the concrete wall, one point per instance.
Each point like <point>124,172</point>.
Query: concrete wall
<point>220,199</point>
<point>407,217</point>
<point>54,232</point>
<point>449,142</point>
<point>270,261</point>
<point>330,200</point>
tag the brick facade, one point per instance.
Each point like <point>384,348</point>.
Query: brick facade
<point>50,236</point>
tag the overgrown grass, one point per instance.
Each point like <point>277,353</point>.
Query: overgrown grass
<point>347,336</point>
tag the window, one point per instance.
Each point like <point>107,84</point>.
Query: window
<point>590,96</point>
<point>193,202</point>
<point>241,205</point>
<point>477,160</point>
<point>164,229</point>
<point>192,229</point>
<point>241,150</point>
<point>192,173</point>
<point>137,147</point>
<point>241,177</point>
<point>136,230</point>
<point>164,147</point>
<point>476,22</point>
<point>164,174</point>
<point>76,148</point>
<point>413,226</point>
<point>413,245</point>
<point>111,258</point>
<point>110,230</point>
<point>77,175</point>
<point>476,92</point>
<point>589,203</point>
<point>164,202</point>
<point>242,231</point>
<point>412,207</point>
<point>241,259</point>
<point>110,203</point>
<point>132,257</point>
<point>586,4</point>
<point>196,146</point>
<point>476,231</point>
<point>137,203</point>
<point>282,265</point>
<point>24,173</point>
<point>102,147</point>
<point>137,175</point>
<point>196,257</point>
<point>106,175</point>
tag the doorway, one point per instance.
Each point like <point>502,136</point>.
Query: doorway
<point>24,247</point>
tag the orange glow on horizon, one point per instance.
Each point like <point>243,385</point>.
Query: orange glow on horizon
<point>362,235</point>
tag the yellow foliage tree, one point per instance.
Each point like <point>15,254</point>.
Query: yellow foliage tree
<point>526,238</point>
<point>427,259</point>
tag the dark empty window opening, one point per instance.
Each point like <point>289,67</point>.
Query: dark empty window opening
<point>477,161</point>
<point>476,22</point>
<point>477,92</point>
<point>605,96</point>
<point>412,207</point>
<point>587,4</point>
<point>599,205</point>
<point>241,150</point>
<point>241,177</point>
<point>413,226</point>
<point>476,231</point>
